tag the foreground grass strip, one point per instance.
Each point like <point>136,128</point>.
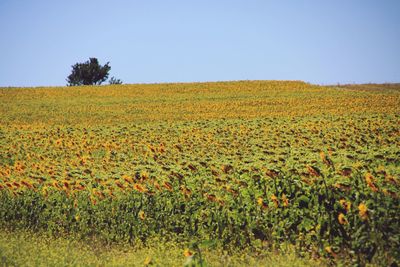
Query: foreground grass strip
<point>22,248</point>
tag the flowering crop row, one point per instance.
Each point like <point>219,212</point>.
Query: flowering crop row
<point>243,164</point>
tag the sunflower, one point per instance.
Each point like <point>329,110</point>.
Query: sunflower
<point>285,200</point>
<point>58,142</point>
<point>342,219</point>
<point>142,215</point>
<point>187,253</point>
<point>345,204</point>
<point>27,184</point>
<point>66,184</point>
<point>139,187</point>
<point>45,191</point>
<point>260,201</point>
<point>275,200</point>
<point>168,186</point>
<point>363,211</point>
<point>330,251</point>
<point>119,184</point>
<point>314,171</point>
<point>371,182</point>
<point>147,261</point>
<point>127,178</point>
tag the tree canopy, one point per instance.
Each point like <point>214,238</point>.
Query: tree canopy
<point>88,73</point>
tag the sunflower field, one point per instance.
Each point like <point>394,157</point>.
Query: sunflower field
<point>231,164</point>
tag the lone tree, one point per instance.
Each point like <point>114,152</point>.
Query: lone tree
<point>88,73</point>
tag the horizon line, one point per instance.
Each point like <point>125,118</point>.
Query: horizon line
<point>205,82</point>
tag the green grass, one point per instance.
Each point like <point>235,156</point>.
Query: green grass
<point>28,249</point>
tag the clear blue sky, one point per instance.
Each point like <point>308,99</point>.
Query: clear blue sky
<point>327,42</point>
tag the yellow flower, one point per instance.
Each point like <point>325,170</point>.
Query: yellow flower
<point>157,185</point>
<point>147,261</point>
<point>66,184</point>
<point>275,200</point>
<point>45,191</point>
<point>285,200</point>
<point>93,200</point>
<point>371,182</point>
<point>327,161</point>
<point>142,215</point>
<point>187,253</point>
<point>27,184</point>
<point>168,186</point>
<point>140,188</point>
<point>330,251</point>
<point>389,193</point>
<point>345,204</point>
<point>58,142</point>
<point>314,171</point>
<point>119,184</point>
<point>260,201</point>
<point>144,175</point>
<point>342,219</point>
<point>56,185</point>
<point>363,211</point>
<point>127,178</point>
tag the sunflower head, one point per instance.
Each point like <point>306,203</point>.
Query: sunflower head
<point>187,253</point>
<point>342,219</point>
<point>142,215</point>
<point>363,211</point>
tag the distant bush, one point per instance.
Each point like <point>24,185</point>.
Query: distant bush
<point>114,81</point>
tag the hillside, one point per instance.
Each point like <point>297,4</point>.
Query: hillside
<point>188,101</point>
<point>253,165</point>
